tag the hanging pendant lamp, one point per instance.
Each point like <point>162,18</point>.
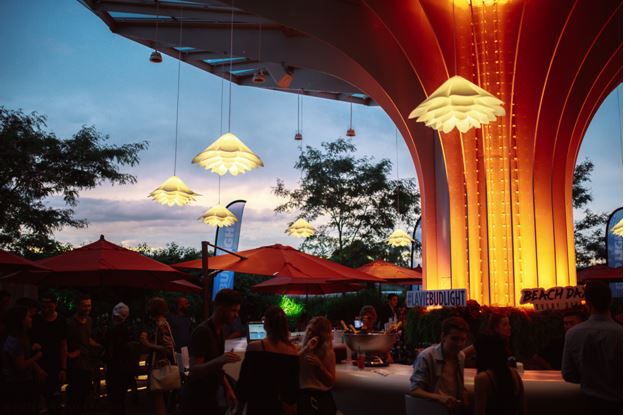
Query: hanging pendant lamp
<point>228,153</point>
<point>350,131</point>
<point>399,238</point>
<point>219,216</point>
<point>259,75</point>
<point>458,103</point>
<point>155,57</point>
<point>173,191</point>
<point>618,228</point>
<point>301,229</point>
<point>298,133</point>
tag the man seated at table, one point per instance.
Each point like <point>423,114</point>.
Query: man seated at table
<point>439,370</point>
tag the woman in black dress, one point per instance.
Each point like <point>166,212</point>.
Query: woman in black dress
<point>269,377</point>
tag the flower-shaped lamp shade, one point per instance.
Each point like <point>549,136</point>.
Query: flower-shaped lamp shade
<point>458,103</point>
<point>173,191</point>
<point>228,154</point>
<point>301,229</point>
<point>618,228</point>
<point>218,216</point>
<point>399,238</point>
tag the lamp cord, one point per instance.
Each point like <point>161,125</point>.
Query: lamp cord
<point>350,115</point>
<point>260,42</point>
<point>620,123</point>
<point>178,92</point>
<point>397,167</point>
<point>157,19</point>
<point>230,71</point>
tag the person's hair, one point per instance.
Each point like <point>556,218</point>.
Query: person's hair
<point>493,321</point>
<point>227,298</point>
<point>369,309</point>
<point>318,326</point>
<point>27,302</point>
<point>598,295</point>
<point>575,312</point>
<point>454,323</point>
<point>157,306</point>
<point>391,296</point>
<point>492,355</point>
<point>276,324</point>
<point>82,297</point>
<point>14,320</point>
<point>47,297</point>
<point>5,294</point>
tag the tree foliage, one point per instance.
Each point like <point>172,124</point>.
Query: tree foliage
<point>37,166</point>
<point>590,247</point>
<point>171,254</point>
<point>358,205</point>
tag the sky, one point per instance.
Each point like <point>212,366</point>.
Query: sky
<point>61,61</point>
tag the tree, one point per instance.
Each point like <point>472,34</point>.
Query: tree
<point>171,254</point>
<point>357,202</point>
<point>589,232</point>
<point>36,165</point>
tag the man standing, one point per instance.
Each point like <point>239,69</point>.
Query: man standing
<point>49,334</point>
<point>180,323</point>
<point>81,365</point>
<point>389,313</point>
<point>593,354</point>
<point>550,357</point>
<point>439,370</point>
<point>206,375</point>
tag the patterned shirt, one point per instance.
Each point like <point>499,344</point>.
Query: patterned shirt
<point>428,371</point>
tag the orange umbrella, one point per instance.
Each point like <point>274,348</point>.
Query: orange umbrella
<point>10,263</point>
<point>182,286</point>
<point>393,274</point>
<point>101,263</point>
<point>303,286</point>
<point>600,273</point>
<point>283,261</point>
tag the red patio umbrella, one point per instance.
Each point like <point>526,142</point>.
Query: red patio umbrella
<point>10,263</point>
<point>303,286</point>
<point>600,273</point>
<point>101,263</point>
<point>393,274</point>
<point>283,261</point>
<point>181,286</point>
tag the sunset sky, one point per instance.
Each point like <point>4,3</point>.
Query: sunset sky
<point>63,62</point>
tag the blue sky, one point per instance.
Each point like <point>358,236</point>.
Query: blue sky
<point>62,61</point>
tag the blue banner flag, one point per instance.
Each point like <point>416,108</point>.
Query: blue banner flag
<point>614,242</point>
<point>228,238</point>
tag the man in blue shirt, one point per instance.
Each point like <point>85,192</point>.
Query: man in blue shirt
<point>439,370</point>
<point>593,354</point>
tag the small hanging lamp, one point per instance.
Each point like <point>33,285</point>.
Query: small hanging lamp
<point>399,238</point>
<point>301,229</point>
<point>173,191</point>
<point>458,103</point>
<point>155,57</point>
<point>259,75</point>
<point>298,133</point>
<point>218,216</point>
<point>350,131</point>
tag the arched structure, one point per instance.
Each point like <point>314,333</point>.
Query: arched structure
<point>497,211</point>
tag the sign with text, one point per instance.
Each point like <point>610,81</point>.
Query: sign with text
<point>556,298</point>
<point>228,238</point>
<point>437,298</point>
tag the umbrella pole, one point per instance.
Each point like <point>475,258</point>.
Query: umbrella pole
<point>206,288</point>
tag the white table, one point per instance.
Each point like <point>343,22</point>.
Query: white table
<point>381,391</point>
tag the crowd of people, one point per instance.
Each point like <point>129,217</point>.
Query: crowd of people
<point>42,351</point>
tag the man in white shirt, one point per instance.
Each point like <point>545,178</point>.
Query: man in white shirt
<point>593,354</point>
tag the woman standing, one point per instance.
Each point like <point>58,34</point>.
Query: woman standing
<point>317,369</point>
<point>498,388</point>
<point>19,365</point>
<point>160,341</point>
<point>268,382</point>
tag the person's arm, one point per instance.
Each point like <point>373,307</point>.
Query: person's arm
<point>482,389</point>
<point>326,370</point>
<point>200,367</point>
<point>469,352</point>
<point>419,383</point>
<point>63,357</point>
<point>145,340</point>
<point>570,372</point>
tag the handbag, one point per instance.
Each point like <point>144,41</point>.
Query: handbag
<point>165,376</point>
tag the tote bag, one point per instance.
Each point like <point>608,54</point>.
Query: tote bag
<point>165,376</point>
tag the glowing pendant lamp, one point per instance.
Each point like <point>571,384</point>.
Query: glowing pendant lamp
<point>228,153</point>
<point>173,191</point>
<point>618,228</point>
<point>350,131</point>
<point>399,238</point>
<point>301,229</point>
<point>218,216</point>
<point>458,103</point>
